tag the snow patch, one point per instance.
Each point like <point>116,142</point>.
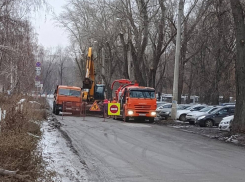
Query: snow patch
<point>59,156</point>
<point>21,101</point>
<point>232,138</point>
<point>34,102</point>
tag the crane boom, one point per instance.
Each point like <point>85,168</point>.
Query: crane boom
<point>91,91</point>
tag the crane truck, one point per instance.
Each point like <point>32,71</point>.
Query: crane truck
<point>136,102</point>
<point>91,91</point>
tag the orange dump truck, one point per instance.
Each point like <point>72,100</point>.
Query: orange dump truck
<point>136,102</point>
<point>68,97</point>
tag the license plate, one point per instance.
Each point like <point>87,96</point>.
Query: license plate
<point>142,114</point>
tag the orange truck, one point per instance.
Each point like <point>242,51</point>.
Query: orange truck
<point>136,102</point>
<point>65,95</point>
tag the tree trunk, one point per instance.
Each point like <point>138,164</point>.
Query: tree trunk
<point>190,85</point>
<point>238,15</point>
<point>136,61</point>
<point>125,57</point>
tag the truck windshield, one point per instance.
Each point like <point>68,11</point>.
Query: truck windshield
<point>70,92</point>
<point>142,94</point>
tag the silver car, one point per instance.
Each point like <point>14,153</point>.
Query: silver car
<point>165,113</point>
<point>192,116</point>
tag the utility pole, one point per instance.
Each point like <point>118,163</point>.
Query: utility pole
<point>176,66</point>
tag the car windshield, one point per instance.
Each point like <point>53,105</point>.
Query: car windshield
<point>206,109</point>
<point>69,92</point>
<point>182,107</point>
<point>142,94</point>
<point>159,104</point>
<point>99,89</point>
<point>215,111</point>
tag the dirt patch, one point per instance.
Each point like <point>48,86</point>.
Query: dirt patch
<point>19,136</point>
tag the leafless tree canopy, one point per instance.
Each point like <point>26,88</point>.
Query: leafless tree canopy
<point>18,45</point>
<point>136,40</point>
<point>133,39</point>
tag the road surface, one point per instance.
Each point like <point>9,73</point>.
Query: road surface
<point>116,151</point>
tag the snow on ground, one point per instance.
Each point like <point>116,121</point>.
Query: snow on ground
<point>59,156</point>
<point>21,101</point>
<point>50,102</point>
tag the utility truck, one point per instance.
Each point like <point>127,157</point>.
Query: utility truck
<point>66,94</point>
<point>136,102</point>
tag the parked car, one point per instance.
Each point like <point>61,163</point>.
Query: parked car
<point>215,117</point>
<point>192,116</point>
<point>229,103</point>
<point>165,113</point>
<point>181,114</point>
<point>161,103</point>
<point>162,107</point>
<point>225,123</point>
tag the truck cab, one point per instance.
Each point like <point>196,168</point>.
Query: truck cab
<point>64,94</point>
<point>138,103</point>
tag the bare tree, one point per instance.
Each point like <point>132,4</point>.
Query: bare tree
<point>238,15</point>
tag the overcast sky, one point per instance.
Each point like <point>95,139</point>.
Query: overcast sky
<point>49,35</point>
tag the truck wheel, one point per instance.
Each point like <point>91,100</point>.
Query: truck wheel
<point>56,111</point>
<point>53,108</point>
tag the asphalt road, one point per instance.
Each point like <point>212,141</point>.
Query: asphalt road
<point>117,151</point>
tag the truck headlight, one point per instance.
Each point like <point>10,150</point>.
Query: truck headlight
<point>130,112</point>
<point>153,113</point>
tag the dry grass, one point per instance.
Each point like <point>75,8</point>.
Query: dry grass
<point>19,136</point>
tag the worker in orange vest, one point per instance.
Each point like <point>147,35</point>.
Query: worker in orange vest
<point>114,100</point>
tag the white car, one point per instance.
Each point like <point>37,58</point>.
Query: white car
<point>192,116</point>
<point>225,123</point>
<point>181,114</point>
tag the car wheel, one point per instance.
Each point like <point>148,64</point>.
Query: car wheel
<point>182,117</point>
<point>191,122</point>
<point>209,123</point>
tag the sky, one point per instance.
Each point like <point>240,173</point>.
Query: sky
<point>49,35</point>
